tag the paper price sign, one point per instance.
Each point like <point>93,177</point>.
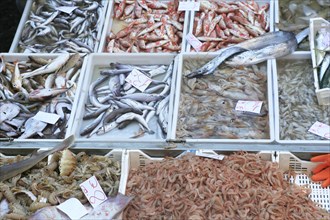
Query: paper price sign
<point>138,80</point>
<point>47,117</point>
<point>189,6</point>
<point>73,208</point>
<point>320,129</point>
<point>212,156</point>
<point>67,9</point>
<point>249,106</point>
<point>93,191</point>
<point>194,42</point>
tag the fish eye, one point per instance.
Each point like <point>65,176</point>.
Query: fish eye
<point>223,102</point>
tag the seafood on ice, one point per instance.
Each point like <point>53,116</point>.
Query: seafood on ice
<point>295,15</point>
<point>298,106</point>
<point>207,104</point>
<point>50,28</point>
<point>146,26</point>
<point>219,24</point>
<point>114,101</point>
<point>38,85</point>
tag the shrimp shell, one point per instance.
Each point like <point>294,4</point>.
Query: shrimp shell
<point>38,205</point>
<point>68,163</point>
<point>15,216</point>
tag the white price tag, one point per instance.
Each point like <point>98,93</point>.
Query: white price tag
<point>73,208</point>
<point>212,156</point>
<point>194,42</point>
<point>320,129</point>
<point>189,6</point>
<point>138,80</point>
<point>66,9</point>
<point>249,106</point>
<point>93,191</point>
<point>46,117</point>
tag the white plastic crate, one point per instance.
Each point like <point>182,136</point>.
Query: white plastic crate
<point>35,143</point>
<point>108,25</point>
<point>211,142</point>
<point>323,95</point>
<point>289,162</point>
<point>261,3</point>
<point>296,56</point>
<point>97,61</point>
<point>26,14</point>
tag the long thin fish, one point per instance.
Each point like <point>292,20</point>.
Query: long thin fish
<point>11,170</point>
<point>257,43</point>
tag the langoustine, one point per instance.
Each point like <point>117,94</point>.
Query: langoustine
<point>219,23</point>
<point>146,26</point>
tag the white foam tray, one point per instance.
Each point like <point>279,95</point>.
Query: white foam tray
<point>211,142</point>
<point>270,13</point>
<point>289,162</point>
<point>11,57</point>
<point>109,22</point>
<point>323,95</point>
<point>116,135</point>
<point>295,56</point>
<point>25,17</point>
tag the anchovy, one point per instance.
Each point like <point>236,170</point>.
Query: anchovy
<point>11,170</point>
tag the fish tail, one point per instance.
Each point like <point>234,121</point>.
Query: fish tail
<point>65,144</point>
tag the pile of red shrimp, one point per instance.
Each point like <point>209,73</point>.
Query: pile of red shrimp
<point>242,186</point>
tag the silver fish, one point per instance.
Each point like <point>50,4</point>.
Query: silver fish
<point>268,40</point>
<point>51,67</point>
<point>8,111</point>
<point>133,116</point>
<point>143,97</point>
<point>32,126</point>
<point>11,170</point>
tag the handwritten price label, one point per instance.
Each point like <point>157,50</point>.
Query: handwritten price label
<point>138,80</point>
<point>249,106</point>
<point>93,191</point>
<point>194,42</point>
<point>320,129</point>
<point>189,6</point>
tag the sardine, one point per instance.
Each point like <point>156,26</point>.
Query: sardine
<point>11,170</point>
